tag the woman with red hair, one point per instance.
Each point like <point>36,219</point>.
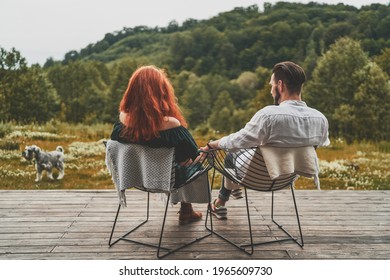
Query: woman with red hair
<point>149,115</point>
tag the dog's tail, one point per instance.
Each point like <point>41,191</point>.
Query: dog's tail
<point>60,149</point>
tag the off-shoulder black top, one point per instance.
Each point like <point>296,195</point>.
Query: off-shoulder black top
<point>178,137</point>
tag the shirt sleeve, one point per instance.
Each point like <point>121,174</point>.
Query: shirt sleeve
<point>255,133</point>
<point>325,139</point>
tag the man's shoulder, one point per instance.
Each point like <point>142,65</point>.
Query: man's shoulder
<point>304,111</point>
<point>315,112</point>
<point>270,109</point>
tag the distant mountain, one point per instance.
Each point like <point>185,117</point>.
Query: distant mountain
<point>244,38</point>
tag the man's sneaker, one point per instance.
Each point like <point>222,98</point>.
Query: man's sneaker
<point>219,211</point>
<point>236,194</point>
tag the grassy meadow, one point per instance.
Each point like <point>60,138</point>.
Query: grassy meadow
<point>358,166</point>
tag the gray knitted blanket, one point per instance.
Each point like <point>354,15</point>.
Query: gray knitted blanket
<point>152,170</point>
<point>142,167</point>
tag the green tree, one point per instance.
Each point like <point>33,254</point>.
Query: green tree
<point>196,104</point>
<point>180,48</point>
<point>240,118</point>
<point>227,55</point>
<point>311,58</point>
<point>11,61</point>
<point>337,30</point>
<point>71,56</point>
<point>263,76</point>
<point>247,81</point>
<point>352,92</point>
<point>263,98</point>
<point>121,73</point>
<point>243,89</point>
<point>222,113</point>
<point>12,65</point>
<point>83,90</point>
<point>372,104</point>
<point>26,94</point>
<point>334,81</point>
<point>345,116</point>
<point>383,60</point>
<point>215,84</point>
<point>206,44</point>
<point>182,81</point>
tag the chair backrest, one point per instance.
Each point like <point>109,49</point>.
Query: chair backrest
<point>151,169</point>
<point>142,167</point>
<point>247,168</point>
<point>256,176</point>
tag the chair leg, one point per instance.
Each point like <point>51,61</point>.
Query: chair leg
<point>158,246</point>
<point>297,215</point>
<point>170,251</point>
<point>291,238</point>
<point>209,207</point>
<point>223,237</point>
<point>113,227</point>
<point>301,244</point>
<point>249,221</point>
<point>123,237</point>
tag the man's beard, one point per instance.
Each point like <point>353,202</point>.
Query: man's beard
<point>277,96</point>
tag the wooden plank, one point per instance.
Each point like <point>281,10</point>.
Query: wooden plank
<point>73,224</point>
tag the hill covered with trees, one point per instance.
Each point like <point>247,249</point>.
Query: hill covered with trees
<point>220,69</point>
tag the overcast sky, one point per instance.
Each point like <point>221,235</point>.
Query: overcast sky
<point>40,29</point>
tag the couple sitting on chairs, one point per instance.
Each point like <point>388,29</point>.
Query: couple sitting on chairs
<point>150,116</point>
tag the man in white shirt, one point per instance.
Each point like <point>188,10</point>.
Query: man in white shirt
<point>288,123</point>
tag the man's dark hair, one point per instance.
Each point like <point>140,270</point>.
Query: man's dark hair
<point>290,74</point>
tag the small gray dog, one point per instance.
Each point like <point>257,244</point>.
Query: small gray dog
<point>46,161</point>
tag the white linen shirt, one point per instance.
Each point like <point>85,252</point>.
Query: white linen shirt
<point>291,124</point>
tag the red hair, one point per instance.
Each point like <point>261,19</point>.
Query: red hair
<point>149,98</point>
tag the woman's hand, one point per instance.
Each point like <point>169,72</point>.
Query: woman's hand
<point>186,163</point>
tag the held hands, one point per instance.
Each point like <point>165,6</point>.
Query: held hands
<point>213,144</point>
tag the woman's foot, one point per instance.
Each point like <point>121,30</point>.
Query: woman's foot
<point>187,214</point>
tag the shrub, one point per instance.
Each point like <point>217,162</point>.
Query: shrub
<point>9,145</point>
<point>5,128</point>
<point>384,146</point>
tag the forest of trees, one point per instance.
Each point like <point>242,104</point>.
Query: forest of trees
<point>220,69</point>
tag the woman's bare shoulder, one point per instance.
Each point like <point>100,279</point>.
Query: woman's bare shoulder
<point>170,122</point>
<point>122,117</point>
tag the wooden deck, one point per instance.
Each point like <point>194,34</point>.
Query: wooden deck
<point>75,224</point>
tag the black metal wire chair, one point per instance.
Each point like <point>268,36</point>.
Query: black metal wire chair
<point>193,170</point>
<point>247,169</point>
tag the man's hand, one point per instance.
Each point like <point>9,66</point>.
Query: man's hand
<point>213,144</point>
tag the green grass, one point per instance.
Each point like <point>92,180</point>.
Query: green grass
<point>84,156</point>
<point>359,166</point>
